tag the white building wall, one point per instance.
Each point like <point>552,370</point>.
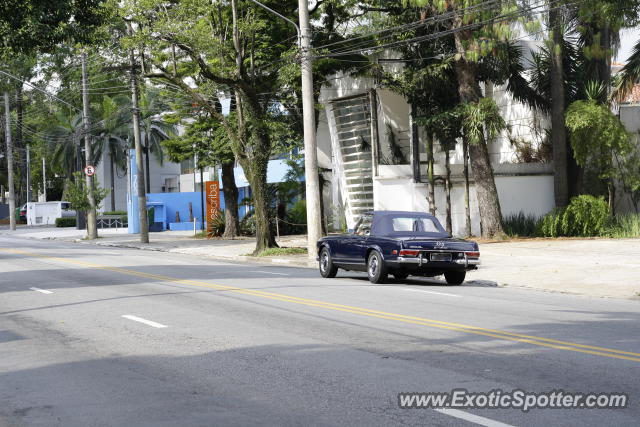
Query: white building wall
<point>158,174</point>
<point>532,195</point>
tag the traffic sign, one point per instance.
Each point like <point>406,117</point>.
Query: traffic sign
<point>89,170</point>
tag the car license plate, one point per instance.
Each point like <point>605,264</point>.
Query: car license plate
<point>441,257</point>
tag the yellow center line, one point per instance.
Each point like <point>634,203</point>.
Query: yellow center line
<point>494,333</point>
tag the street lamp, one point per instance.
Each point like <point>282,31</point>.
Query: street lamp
<point>312,184</point>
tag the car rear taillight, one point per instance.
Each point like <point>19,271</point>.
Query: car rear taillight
<point>473,254</point>
<point>409,252</point>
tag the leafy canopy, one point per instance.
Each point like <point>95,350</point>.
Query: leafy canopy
<point>28,26</point>
<point>596,135</point>
<point>77,192</point>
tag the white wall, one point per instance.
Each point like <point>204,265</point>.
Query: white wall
<point>395,190</point>
<point>393,110</point>
<point>532,194</point>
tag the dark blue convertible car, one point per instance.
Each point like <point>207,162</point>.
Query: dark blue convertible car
<point>400,243</point>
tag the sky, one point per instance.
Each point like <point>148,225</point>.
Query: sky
<point>628,38</point>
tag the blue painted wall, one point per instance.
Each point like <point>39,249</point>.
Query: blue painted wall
<point>178,202</point>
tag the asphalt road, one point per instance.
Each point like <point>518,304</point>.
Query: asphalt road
<point>95,336</point>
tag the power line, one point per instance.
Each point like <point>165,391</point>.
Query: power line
<point>436,35</point>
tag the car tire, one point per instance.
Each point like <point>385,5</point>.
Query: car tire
<point>327,269</point>
<point>455,277</point>
<point>400,275</point>
<point>376,269</point>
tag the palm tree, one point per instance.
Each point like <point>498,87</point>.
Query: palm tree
<point>629,75</point>
<point>112,135</point>
<point>154,128</point>
<point>63,138</point>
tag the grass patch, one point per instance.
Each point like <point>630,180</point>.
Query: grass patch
<point>283,251</point>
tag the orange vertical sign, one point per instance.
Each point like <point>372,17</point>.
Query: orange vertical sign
<point>213,202</point>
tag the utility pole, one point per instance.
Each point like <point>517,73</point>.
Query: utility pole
<point>314,221</point>
<point>202,199</point>
<point>7,133</point>
<point>44,178</point>
<point>92,228</point>
<point>28,174</point>
<point>142,196</point>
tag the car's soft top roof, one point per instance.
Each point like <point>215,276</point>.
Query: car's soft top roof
<point>401,213</point>
<point>382,223</point>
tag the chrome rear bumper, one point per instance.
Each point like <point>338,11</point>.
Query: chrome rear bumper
<point>422,261</point>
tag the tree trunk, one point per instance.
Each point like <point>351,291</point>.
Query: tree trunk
<point>467,207</point>
<point>488,202</point>
<point>558,130</point>
<point>230,190</point>
<point>258,180</point>
<point>112,183</point>
<point>430,178</point>
<point>447,191</point>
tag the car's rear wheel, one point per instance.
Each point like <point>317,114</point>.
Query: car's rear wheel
<point>327,268</point>
<point>376,269</point>
<point>400,275</point>
<point>455,277</point>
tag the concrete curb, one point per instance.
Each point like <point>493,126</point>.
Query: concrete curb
<point>239,258</point>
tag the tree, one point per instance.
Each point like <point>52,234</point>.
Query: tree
<point>63,137</point>
<point>597,138</point>
<point>235,49</point>
<point>113,135</point>
<point>28,26</point>
<point>153,127</point>
<point>77,193</point>
<point>207,139</point>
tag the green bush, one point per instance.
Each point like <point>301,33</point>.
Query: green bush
<point>248,225</point>
<point>624,226</point>
<point>521,225</point>
<point>66,222</point>
<point>216,227</point>
<point>295,221</point>
<point>585,216</point>
<point>551,224</point>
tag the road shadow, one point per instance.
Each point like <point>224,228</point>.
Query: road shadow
<point>434,282</point>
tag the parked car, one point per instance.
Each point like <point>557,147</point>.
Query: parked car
<point>400,243</point>
<point>22,217</point>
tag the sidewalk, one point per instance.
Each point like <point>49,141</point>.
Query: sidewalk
<point>596,267</point>
<point>174,241</point>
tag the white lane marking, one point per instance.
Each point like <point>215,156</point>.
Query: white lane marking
<point>145,321</point>
<point>268,272</point>
<point>42,291</point>
<point>433,292</point>
<point>472,418</point>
